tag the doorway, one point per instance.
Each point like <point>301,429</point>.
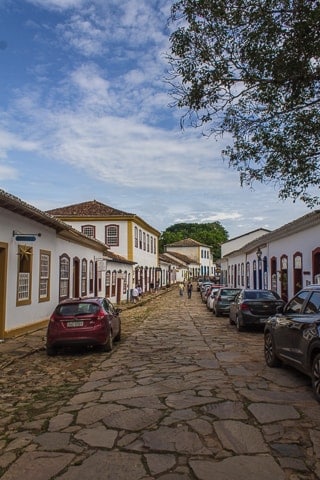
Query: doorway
<point>119,283</point>
<point>76,274</point>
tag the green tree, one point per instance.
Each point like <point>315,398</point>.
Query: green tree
<point>251,69</point>
<point>211,234</point>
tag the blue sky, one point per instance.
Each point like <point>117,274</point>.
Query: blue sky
<point>84,114</point>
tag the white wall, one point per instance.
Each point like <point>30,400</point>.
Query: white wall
<point>24,315</point>
<point>304,242</point>
<point>236,243</point>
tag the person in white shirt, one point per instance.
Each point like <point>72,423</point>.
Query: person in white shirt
<point>135,295</point>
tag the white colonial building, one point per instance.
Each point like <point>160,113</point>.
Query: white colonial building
<point>195,255</point>
<point>44,260</point>
<point>124,233</point>
<point>284,260</point>
<point>171,270</point>
<point>236,243</point>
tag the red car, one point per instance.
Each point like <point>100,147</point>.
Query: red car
<point>83,321</point>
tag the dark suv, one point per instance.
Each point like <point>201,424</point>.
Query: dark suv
<point>292,336</point>
<point>83,321</point>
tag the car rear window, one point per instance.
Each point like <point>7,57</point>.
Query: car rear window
<point>77,309</point>
<point>230,292</point>
<point>264,295</point>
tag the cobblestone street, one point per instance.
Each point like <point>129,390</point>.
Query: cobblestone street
<point>183,396</point>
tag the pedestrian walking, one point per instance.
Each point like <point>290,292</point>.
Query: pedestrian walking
<point>189,289</point>
<point>135,295</point>
<point>181,288</point>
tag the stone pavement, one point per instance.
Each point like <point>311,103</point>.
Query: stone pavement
<point>183,396</point>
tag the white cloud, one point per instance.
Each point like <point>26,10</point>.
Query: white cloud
<point>90,85</point>
<point>57,4</point>
<point>94,107</point>
<point>8,173</point>
<point>10,141</point>
<point>84,33</point>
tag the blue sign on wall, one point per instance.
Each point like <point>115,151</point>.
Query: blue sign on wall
<point>25,238</point>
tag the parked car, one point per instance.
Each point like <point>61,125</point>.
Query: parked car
<point>206,291</point>
<point>199,282</point>
<point>292,336</point>
<point>85,322</point>
<point>204,286</point>
<point>211,296</point>
<point>222,300</point>
<point>253,307</point>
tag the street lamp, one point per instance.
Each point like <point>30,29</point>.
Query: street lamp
<point>259,256</point>
<point>259,253</point>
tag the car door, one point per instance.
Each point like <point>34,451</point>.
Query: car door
<point>234,306</point>
<point>304,329</point>
<point>212,296</point>
<point>287,328</point>
<point>112,316</point>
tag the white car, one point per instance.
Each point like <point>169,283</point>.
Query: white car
<point>210,298</point>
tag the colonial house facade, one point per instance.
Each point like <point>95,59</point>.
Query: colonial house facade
<point>187,265</point>
<point>236,243</point>
<point>170,270</point>
<point>119,274</point>
<point>198,254</point>
<point>44,260</point>
<point>284,260</point>
<point>126,234</point>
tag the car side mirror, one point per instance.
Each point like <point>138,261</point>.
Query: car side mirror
<point>280,309</point>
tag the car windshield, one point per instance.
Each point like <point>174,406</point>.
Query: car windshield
<point>81,308</point>
<point>295,305</point>
<point>313,305</point>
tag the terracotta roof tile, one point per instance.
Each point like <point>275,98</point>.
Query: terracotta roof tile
<point>91,208</point>
<point>187,242</point>
<point>165,258</point>
<point>181,257</point>
<point>118,258</point>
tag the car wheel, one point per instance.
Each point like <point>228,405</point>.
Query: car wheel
<point>315,376</point>
<point>269,351</point>
<point>108,346</point>
<point>238,324</point>
<point>51,351</point>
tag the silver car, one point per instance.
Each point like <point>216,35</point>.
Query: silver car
<point>222,300</point>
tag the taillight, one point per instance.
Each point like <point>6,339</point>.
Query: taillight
<point>244,306</point>
<point>100,315</point>
<point>52,318</point>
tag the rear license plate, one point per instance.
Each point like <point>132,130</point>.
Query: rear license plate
<point>75,324</point>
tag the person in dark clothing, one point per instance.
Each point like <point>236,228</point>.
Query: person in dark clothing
<point>189,289</point>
